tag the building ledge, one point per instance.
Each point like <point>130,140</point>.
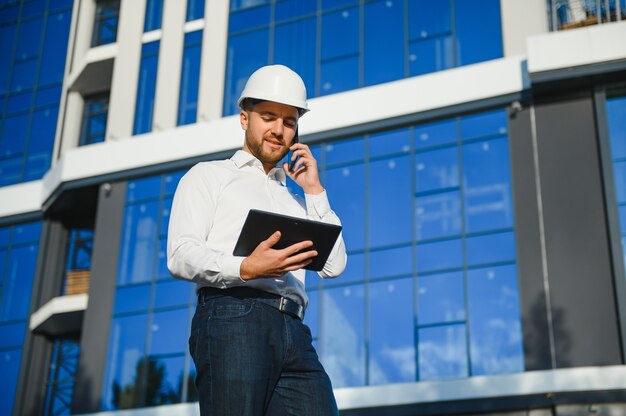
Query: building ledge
<point>61,315</point>
<point>577,52</point>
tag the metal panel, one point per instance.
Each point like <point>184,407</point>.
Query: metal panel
<point>97,320</point>
<point>528,234</point>
<point>577,243</point>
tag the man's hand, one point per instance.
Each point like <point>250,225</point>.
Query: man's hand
<point>305,172</point>
<point>265,261</point>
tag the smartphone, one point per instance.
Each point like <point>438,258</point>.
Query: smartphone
<point>292,164</point>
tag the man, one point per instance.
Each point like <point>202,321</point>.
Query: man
<point>253,354</point>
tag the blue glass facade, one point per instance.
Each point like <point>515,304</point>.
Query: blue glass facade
<point>19,245</point>
<point>105,22</point>
<point>339,46</point>
<point>190,78</point>
<point>148,363</point>
<point>144,106</point>
<point>430,291</point>
<point>33,44</point>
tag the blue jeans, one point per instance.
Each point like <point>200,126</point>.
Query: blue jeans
<point>253,360</point>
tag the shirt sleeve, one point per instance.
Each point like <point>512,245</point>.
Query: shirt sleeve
<point>191,218</point>
<point>318,209</point>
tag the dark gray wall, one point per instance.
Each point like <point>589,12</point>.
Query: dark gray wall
<point>97,320</point>
<point>37,349</point>
<point>533,303</point>
<point>567,293</point>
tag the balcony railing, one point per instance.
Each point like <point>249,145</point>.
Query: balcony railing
<point>76,282</point>
<point>570,14</point>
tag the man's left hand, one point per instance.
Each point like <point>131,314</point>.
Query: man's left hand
<point>305,172</point>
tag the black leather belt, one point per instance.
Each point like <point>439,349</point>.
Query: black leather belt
<point>283,304</point>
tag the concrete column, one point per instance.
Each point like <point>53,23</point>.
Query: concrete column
<point>521,19</point>
<point>169,66</point>
<point>126,70</point>
<point>213,61</point>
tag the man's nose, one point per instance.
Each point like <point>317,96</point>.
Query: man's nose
<point>278,128</point>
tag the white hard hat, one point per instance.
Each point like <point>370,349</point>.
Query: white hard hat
<point>276,83</point>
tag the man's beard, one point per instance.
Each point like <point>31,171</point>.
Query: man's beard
<point>256,148</point>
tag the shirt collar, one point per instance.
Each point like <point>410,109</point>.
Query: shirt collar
<point>242,158</point>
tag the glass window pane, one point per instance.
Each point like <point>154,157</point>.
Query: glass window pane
<point>616,117</point>
<point>246,53</point>
<point>389,142</point>
<point>495,327</point>
<point>27,232</point>
<point>441,298</point>
<point>383,42</point>
<point>190,78</point>
<point>478,30</point>
<point>249,18</point>
<point>487,179</point>
<point>437,169</point>
<point>127,344</point>
<point>492,123</point>
<point>7,39</point>
<point>442,352</point>
<point>18,283</point>
<point>13,139</point>
<point>9,368</point>
<point>55,46</point>
<point>49,96</point>
<point>438,215</point>
<point>392,347</point>
<point>440,255</point>
<point>312,312</point>
<point>137,257</point>
<point>428,18</point>
<point>24,74</point>
<point>390,217</point>
<point>42,131</point>
<point>346,192</point>
<point>146,88</point>
<point>135,298</point>
<point>10,171</point>
<point>171,182</point>
<point>295,47</point>
<point>170,331</point>
<point>19,102</point>
<point>432,134</point>
<point>173,293</point>
<point>162,270</point>
<point>393,262</point>
<point>430,55</point>
<point>154,13</point>
<point>619,176</point>
<point>166,380</point>
<point>29,39</point>
<point>490,248</point>
<point>355,270</point>
<point>144,188</point>
<point>351,150</point>
<point>289,9</point>
<point>339,75</point>
<point>12,335</point>
<point>195,10</point>
<point>340,33</point>
<point>342,339</point>
<point>244,4</point>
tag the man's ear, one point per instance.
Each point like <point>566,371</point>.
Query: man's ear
<point>243,119</point>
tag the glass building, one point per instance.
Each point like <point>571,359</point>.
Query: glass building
<point>475,151</point>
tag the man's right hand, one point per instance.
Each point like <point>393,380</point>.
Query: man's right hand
<point>265,261</point>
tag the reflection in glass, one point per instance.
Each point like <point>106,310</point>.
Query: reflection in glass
<point>495,329</point>
<point>391,262</point>
<point>441,298</point>
<point>346,191</point>
<point>438,215</point>
<point>392,347</point>
<point>341,339</point>
<point>442,352</point>
<point>137,260</point>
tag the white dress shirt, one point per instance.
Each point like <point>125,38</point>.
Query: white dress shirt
<point>210,206</point>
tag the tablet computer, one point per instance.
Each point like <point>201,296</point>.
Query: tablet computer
<point>260,225</point>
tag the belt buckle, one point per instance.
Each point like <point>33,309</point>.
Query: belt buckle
<point>282,304</point>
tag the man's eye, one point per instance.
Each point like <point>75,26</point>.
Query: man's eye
<point>291,125</point>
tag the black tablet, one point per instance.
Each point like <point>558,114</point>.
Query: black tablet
<point>260,225</point>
